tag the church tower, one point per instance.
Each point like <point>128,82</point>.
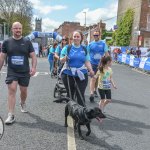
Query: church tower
<point>38,24</point>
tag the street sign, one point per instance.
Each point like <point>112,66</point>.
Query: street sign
<point>115,27</point>
<point>136,33</point>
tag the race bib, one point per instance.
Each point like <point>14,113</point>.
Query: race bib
<point>17,60</point>
<point>97,56</point>
<point>106,84</point>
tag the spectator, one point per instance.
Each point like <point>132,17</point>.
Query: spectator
<point>40,50</point>
<point>51,57</point>
<point>132,52</point>
<point>64,42</point>
<point>138,52</point>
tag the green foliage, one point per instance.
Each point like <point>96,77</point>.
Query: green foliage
<point>17,10</point>
<point>25,21</point>
<point>106,33</point>
<point>2,20</point>
<point>122,35</point>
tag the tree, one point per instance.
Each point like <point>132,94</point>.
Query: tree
<point>17,10</point>
<point>122,35</point>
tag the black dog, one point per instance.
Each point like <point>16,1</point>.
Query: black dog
<point>82,116</point>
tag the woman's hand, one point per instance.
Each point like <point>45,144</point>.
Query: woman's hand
<point>91,73</point>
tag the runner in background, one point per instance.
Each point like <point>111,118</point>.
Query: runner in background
<point>97,49</point>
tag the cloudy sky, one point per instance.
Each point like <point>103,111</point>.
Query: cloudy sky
<point>55,12</point>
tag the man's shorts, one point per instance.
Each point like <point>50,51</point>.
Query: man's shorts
<point>105,94</point>
<point>23,81</point>
<point>95,68</point>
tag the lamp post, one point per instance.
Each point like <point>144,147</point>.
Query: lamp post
<point>85,19</point>
<point>4,29</point>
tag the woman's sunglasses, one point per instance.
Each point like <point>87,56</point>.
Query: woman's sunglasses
<point>64,39</point>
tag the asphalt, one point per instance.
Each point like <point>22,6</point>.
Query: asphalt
<point>127,126</point>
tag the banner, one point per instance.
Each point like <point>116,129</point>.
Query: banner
<point>127,59</point>
<point>143,51</point>
<point>131,60</point>
<point>124,58</point>
<point>37,34</point>
<point>119,58</point>
<point>36,48</point>
<point>136,62</point>
<point>147,65</point>
<point>142,62</point>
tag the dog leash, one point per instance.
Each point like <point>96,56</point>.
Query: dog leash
<point>76,85</point>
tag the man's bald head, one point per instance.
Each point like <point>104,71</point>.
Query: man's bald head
<point>16,24</point>
<point>17,30</point>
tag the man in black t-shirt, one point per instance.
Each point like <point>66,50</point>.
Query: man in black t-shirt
<point>17,49</point>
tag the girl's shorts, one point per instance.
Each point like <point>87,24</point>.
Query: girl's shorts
<point>105,94</point>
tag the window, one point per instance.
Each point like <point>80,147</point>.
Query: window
<point>148,3</point>
<point>147,42</point>
<point>148,22</point>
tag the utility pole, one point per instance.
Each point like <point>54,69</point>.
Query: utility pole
<point>85,25</point>
<point>85,20</point>
<point>4,30</point>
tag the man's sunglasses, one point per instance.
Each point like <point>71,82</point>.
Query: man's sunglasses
<point>95,35</point>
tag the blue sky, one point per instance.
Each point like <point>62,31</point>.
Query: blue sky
<point>55,12</point>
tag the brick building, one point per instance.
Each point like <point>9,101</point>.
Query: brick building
<point>67,28</point>
<point>141,23</point>
<point>99,27</point>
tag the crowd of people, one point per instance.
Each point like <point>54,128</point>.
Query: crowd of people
<point>134,52</point>
<point>76,60</point>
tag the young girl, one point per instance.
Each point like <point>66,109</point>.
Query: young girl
<point>104,75</point>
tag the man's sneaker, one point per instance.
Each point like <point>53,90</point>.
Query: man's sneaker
<point>23,108</point>
<point>10,119</point>
<point>91,98</point>
<point>95,94</point>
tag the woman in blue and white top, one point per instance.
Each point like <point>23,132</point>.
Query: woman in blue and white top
<point>51,57</point>
<point>64,42</point>
<point>77,65</point>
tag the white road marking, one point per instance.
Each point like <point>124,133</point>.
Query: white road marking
<point>36,74</point>
<point>40,73</point>
<point>70,134</point>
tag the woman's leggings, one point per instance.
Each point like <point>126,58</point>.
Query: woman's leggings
<point>73,89</point>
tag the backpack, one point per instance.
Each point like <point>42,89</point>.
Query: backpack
<point>83,47</point>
